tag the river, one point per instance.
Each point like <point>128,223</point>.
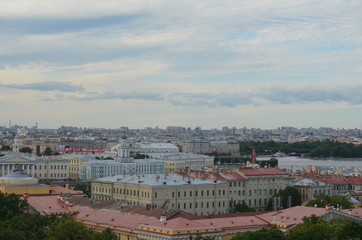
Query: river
<point>296,163</point>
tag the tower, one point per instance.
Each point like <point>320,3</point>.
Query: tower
<point>253,155</point>
<point>123,152</point>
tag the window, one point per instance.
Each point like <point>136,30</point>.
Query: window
<point>178,194</point>
<point>155,195</point>
<point>202,193</point>
<point>184,193</point>
<point>207,193</point>
<point>173,194</point>
<point>190,193</point>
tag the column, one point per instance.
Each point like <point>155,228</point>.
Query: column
<point>32,170</point>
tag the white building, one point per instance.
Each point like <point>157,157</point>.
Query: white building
<point>149,147</point>
<point>121,165</point>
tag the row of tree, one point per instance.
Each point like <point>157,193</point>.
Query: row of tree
<point>313,149</point>
<point>292,195</point>
<point>312,228</point>
<point>242,160</point>
<point>18,222</point>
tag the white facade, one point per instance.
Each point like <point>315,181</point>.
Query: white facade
<point>93,169</point>
<point>45,168</point>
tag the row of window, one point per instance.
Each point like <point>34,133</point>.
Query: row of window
<point>55,175</point>
<point>52,167</point>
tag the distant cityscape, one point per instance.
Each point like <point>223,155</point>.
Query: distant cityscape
<point>175,172</point>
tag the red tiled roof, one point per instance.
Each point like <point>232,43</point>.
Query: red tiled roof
<point>49,202</point>
<point>112,218</point>
<point>355,180</point>
<point>335,180</point>
<point>357,212</point>
<point>234,222</point>
<point>291,216</point>
<point>180,224</point>
<point>261,171</point>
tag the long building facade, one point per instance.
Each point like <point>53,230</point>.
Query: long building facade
<point>195,192</point>
<point>172,191</point>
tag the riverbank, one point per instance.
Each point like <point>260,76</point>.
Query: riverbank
<point>333,159</point>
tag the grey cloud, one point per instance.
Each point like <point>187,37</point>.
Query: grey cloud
<point>349,94</point>
<point>124,96</point>
<point>46,86</point>
<point>270,96</point>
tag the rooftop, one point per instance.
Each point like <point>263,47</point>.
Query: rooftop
<point>157,180</point>
<point>261,171</point>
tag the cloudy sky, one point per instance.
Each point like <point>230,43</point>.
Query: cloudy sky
<point>190,63</point>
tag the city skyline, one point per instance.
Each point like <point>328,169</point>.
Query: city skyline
<point>160,63</point>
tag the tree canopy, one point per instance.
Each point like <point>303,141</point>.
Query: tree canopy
<point>243,207</point>
<point>84,187</point>
<point>314,149</point>
<point>296,199</point>
<point>334,200</point>
<point>17,223</point>
<point>26,150</point>
<point>5,148</point>
<point>313,227</point>
<point>263,234</point>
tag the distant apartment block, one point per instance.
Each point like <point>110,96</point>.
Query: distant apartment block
<point>196,146</point>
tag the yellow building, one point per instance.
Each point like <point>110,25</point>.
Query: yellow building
<point>181,161</point>
<point>19,183</point>
<point>169,191</point>
<point>74,163</point>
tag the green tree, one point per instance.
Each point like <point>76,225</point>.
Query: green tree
<point>5,148</point>
<point>84,187</point>
<point>26,150</point>
<point>47,151</point>
<point>106,234</point>
<point>11,205</point>
<point>312,228</point>
<point>349,230</point>
<point>27,226</point>
<point>243,207</point>
<point>334,200</point>
<point>284,194</point>
<point>264,234</point>
<point>201,237</point>
<point>66,228</point>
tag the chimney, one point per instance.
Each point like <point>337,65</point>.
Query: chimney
<point>163,218</point>
<point>25,196</point>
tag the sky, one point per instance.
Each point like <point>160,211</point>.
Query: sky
<point>141,63</point>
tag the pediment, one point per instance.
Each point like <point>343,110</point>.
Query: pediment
<point>16,159</point>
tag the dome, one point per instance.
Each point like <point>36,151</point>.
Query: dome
<point>17,177</point>
<point>19,137</point>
